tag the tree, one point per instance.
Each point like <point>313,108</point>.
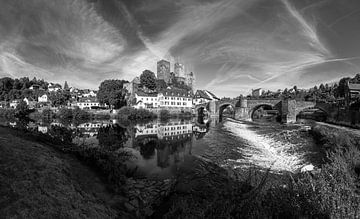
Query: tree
<point>66,86</point>
<point>59,98</point>
<point>111,92</point>
<point>148,79</point>
<point>111,138</point>
<point>340,91</point>
<point>21,110</point>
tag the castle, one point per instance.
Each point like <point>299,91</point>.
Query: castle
<point>179,76</point>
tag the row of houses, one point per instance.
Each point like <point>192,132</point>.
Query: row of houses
<point>171,98</point>
<point>79,98</point>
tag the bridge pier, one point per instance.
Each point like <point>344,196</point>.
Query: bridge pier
<point>288,111</point>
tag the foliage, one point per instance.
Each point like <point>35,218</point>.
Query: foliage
<point>324,92</point>
<point>148,79</point>
<point>76,115</point>
<point>111,92</point>
<point>160,85</point>
<point>131,113</point>
<point>47,113</point>
<point>59,98</point>
<point>62,133</point>
<point>112,137</point>
<point>64,113</point>
<point>80,115</point>
<point>11,89</point>
<point>7,113</point>
<point>164,114</point>
<point>22,110</point>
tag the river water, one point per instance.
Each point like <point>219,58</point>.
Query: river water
<point>159,147</point>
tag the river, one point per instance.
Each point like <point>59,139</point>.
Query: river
<point>159,147</point>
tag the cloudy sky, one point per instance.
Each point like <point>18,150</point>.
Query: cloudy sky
<point>231,45</point>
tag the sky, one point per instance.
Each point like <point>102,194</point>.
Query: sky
<point>232,46</point>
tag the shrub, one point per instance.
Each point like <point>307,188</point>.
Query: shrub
<point>7,113</point>
<point>79,114</point>
<point>64,113</point>
<point>131,113</point>
<point>164,114</point>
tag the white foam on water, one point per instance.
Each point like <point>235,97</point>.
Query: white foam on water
<point>263,151</point>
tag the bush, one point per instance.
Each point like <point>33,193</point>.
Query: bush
<point>65,113</point>
<point>79,114</point>
<point>164,114</point>
<point>130,113</point>
<point>7,113</point>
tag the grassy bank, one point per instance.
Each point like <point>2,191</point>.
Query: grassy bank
<point>332,192</point>
<point>37,181</point>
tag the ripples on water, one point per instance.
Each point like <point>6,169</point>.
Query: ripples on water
<point>263,151</point>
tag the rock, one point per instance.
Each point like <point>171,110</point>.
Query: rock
<point>307,168</point>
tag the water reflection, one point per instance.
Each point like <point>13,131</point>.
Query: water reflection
<point>158,146</point>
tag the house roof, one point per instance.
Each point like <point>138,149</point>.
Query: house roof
<point>175,92</point>
<point>88,99</point>
<point>354,86</point>
<point>136,80</point>
<point>143,94</point>
<point>206,95</point>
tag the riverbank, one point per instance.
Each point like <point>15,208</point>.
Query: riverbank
<point>43,176</point>
<point>332,191</point>
<point>37,181</point>
<point>199,189</point>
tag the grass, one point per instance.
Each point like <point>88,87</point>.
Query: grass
<point>37,181</point>
<point>333,192</point>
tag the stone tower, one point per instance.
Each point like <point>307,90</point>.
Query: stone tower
<point>190,80</point>
<point>163,70</point>
<point>179,70</point>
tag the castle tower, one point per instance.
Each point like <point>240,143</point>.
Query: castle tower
<point>163,70</point>
<point>190,80</point>
<point>179,70</point>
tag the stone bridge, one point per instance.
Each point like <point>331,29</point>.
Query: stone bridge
<point>244,108</point>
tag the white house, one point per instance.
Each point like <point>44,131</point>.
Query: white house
<point>54,87</point>
<point>90,94</point>
<point>145,100</point>
<point>34,87</point>
<point>257,92</point>
<point>43,99</point>
<point>170,129</point>
<point>89,103</point>
<point>168,99</point>
<point>14,103</point>
<point>175,98</point>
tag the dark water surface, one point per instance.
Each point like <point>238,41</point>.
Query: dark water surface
<point>159,147</point>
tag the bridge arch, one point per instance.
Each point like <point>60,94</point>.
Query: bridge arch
<point>312,113</point>
<point>223,106</point>
<point>267,106</point>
